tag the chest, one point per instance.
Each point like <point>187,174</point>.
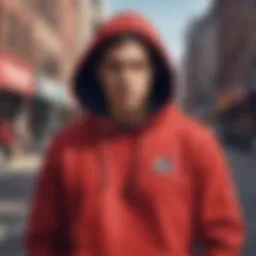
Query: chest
<point>155,166</point>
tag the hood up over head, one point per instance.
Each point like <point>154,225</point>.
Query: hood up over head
<point>86,85</point>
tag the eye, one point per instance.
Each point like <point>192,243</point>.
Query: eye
<point>114,66</point>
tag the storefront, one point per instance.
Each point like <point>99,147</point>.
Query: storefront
<point>16,90</point>
<point>49,106</point>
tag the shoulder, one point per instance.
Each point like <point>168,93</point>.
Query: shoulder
<point>198,131</point>
<point>75,134</point>
<point>196,135</point>
<point>200,146</point>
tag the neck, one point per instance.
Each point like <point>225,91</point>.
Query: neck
<point>130,118</point>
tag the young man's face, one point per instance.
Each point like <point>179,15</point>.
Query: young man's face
<point>126,76</point>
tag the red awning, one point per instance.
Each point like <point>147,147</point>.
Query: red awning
<point>16,76</point>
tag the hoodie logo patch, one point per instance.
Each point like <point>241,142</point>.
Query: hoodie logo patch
<point>162,165</point>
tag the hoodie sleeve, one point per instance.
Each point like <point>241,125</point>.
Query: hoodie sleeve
<point>45,233</point>
<point>220,221</point>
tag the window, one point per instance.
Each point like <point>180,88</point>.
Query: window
<point>17,37</point>
<point>25,42</point>
<point>24,3</point>
<point>49,10</point>
<point>49,66</point>
<point>53,8</point>
<point>11,25</point>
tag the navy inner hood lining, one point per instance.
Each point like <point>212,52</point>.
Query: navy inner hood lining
<point>88,90</point>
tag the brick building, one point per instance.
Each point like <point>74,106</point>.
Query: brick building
<point>40,44</point>
<point>37,53</point>
<point>55,32</point>
<point>90,16</point>
<point>17,73</point>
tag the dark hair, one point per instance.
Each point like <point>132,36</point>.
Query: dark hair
<point>87,85</point>
<point>122,39</point>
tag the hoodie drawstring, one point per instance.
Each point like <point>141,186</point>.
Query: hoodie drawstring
<point>131,190</point>
<point>132,168</point>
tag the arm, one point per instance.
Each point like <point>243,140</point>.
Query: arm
<point>45,226</point>
<point>220,222</point>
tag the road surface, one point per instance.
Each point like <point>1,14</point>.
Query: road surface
<point>16,189</point>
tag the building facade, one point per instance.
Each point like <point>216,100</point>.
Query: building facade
<point>220,67</point>
<point>201,65</point>
<point>54,31</point>
<point>90,16</point>
<point>40,44</point>
<point>17,76</point>
<point>237,53</point>
<point>38,48</point>
<point>190,64</point>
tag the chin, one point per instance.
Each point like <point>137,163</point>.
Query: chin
<point>129,108</point>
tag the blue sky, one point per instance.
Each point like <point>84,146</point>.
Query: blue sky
<point>170,16</point>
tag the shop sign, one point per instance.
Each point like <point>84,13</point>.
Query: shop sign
<point>16,76</point>
<point>51,90</point>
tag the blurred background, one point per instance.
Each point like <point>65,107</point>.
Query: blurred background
<point>212,43</point>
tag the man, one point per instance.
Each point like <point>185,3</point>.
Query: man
<point>136,177</point>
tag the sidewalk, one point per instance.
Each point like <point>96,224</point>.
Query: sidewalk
<point>27,163</point>
<point>16,190</point>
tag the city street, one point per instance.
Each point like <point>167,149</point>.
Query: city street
<point>16,188</point>
<point>15,193</point>
<point>244,172</point>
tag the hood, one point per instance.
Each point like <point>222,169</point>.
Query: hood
<point>86,86</point>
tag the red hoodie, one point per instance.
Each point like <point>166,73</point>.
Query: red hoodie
<point>156,191</point>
